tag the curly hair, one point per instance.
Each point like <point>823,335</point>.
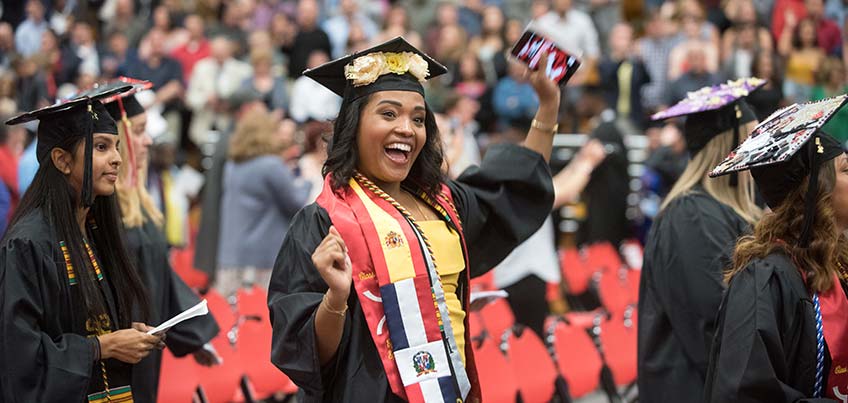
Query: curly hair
<point>781,229</point>
<point>343,156</point>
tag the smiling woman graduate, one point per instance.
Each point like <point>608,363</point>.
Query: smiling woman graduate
<point>68,292</point>
<point>369,294</point>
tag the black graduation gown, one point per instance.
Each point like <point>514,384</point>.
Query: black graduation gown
<point>765,345</point>
<point>169,295</point>
<point>688,248</point>
<point>501,203</point>
<point>45,352</point>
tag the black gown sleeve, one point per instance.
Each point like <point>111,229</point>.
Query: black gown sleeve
<point>295,291</point>
<point>189,336</point>
<point>761,323</point>
<point>501,203</point>
<point>37,366</point>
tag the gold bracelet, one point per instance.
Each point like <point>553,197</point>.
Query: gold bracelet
<point>538,125</point>
<point>331,310</point>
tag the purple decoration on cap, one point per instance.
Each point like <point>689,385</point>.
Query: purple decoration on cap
<point>711,98</point>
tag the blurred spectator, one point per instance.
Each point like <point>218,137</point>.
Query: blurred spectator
<point>283,32</point>
<point>786,12</point>
<point>491,46</point>
<point>127,21</point>
<point>311,163</point>
<point>667,159</point>
<point>309,38</point>
<point>396,23</point>
<point>459,112</point>
<point>575,27</point>
<point>61,15</point>
<point>828,32</point>
<point>695,77</point>
<point>742,41</point>
<point>470,16</point>
<point>260,197</point>
<point>261,41</point>
<point>453,145</point>
<point>654,49</point>
<point>84,45</point>
<point>538,8</point>
<point>470,79</point>
<point>194,49</point>
<point>447,15</point>
<point>8,99</point>
<point>338,27</point>
<point>28,33</point>
<point>31,90</point>
<point>835,11</point>
<point>696,33</point>
<point>233,23</point>
<point>11,147</point>
<point>267,86</point>
<point>623,75</point>
<point>605,15</point>
<point>356,39</point>
<point>513,98</point>
<point>213,80</point>
<point>310,100</point>
<point>117,55</point>
<point>7,46</point>
<point>768,98</point>
<point>803,56</point>
<point>452,45</point>
<point>59,63</point>
<point>832,82</point>
<point>166,20</point>
<point>165,73</point>
<point>420,15</point>
<point>162,179</point>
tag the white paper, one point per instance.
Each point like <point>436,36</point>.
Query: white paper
<point>490,295</point>
<point>198,310</point>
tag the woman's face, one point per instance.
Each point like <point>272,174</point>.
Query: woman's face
<point>493,20</point>
<point>141,141</point>
<point>105,162</point>
<point>390,136</point>
<point>807,33</point>
<point>840,192</point>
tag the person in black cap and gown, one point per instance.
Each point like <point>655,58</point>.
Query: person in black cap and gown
<point>782,327</point>
<point>690,244</point>
<point>68,291</point>
<point>369,294</point>
<point>148,249</point>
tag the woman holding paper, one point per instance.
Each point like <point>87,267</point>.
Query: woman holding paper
<point>148,249</point>
<point>68,293</point>
<point>350,298</point>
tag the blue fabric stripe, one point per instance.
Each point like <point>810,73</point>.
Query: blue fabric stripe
<point>448,390</point>
<point>393,317</point>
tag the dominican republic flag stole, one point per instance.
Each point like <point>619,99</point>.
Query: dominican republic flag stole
<point>401,294</point>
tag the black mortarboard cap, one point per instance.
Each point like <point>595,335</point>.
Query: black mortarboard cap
<point>78,117</point>
<point>784,149</point>
<point>394,65</point>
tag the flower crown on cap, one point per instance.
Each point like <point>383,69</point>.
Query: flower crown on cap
<point>365,70</point>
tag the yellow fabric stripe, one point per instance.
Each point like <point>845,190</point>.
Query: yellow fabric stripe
<point>393,241</point>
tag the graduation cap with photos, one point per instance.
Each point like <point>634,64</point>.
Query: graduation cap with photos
<point>394,65</point>
<point>77,117</point>
<point>786,148</point>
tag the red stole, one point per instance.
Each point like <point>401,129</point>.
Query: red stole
<point>834,311</point>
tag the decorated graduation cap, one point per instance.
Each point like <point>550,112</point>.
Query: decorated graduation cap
<point>784,149</point>
<point>394,65</point>
<point>713,110</point>
<point>78,117</point>
<point>123,106</point>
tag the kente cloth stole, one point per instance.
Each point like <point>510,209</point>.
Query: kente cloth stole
<point>401,295</point>
<point>121,394</point>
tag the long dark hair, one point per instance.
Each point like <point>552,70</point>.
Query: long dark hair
<point>342,154</point>
<point>780,230</point>
<point>51,192</point>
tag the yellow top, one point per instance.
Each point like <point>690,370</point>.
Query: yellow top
<point>447,252</point>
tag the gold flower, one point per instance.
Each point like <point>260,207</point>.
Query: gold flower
<point>365,69</point>
<point>417,66</point>
<point>396,62</point>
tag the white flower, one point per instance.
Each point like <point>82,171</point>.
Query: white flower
<point>417,66</point>
<point>365,69</point>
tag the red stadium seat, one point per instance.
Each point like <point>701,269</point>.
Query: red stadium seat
<point>615,290</point>
<point>575,273</point>
<point>532,366</point>
<point>497,317</point>
<point>604,257</point>
<point>178,379</point>
<point>254,345</point>
<point>221,382</point>
<point>182,262</point>
<point>497,384</point>
<point>578,360</point>
<point>619,339</point>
